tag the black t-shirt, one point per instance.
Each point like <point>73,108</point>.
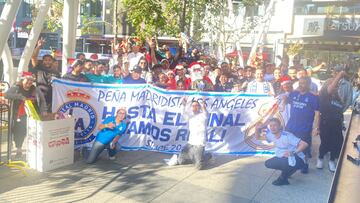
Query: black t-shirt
<point>43,75</point>
<point>331,107</point>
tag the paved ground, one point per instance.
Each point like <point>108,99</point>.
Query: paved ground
<point>140,176</point>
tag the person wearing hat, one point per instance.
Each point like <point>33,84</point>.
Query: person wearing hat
<point>135,76</point>
<point>180,73</point>
<point>21,91</point>
<point>171,82</point>
<point>335,98</point>
<point>134,56</point>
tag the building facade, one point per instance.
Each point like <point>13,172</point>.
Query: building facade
<point>329,31</point>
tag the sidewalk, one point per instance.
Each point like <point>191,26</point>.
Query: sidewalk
<point>140,176</point>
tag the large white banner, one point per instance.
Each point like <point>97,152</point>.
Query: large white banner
<point>155,116</point>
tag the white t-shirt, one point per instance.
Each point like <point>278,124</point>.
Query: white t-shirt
<point>197,128</point>
<point>260,87</point>
<point>286,142</point>
<point>133,59</point>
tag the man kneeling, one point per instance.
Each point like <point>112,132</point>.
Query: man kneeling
<point>288,150</point>
<point>194,150</point>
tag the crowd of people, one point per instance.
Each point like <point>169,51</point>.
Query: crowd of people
<point>315,108</point>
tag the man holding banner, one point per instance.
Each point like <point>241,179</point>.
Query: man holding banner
<point>288,150</point>
<point>194,150</point>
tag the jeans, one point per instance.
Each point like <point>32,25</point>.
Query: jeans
<point>283,165</point>
<point>194,154</point>
<point>96,150</point>
<point>19,131</point>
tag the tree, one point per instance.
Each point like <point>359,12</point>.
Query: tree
<point>222,23</point>
<point>193,17</point>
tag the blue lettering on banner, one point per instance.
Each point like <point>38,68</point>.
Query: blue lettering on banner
<point>220,120</point>
<point>155,99</point>
<point>152,146</point>
<point>182,134</point>
<point>110,96</point>
<point>85,134</point>
<point>106,112</point>
<point>240,103</point>
<point>144,111</point>
<point>162,134</point>
<point>213,135</point>
<point>173,119</point>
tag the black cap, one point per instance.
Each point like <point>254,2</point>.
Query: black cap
<point>137,69</point>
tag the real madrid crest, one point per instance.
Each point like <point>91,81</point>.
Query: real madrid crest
<point>85,114</point>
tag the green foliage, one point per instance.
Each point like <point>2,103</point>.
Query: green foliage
<point>54,18</point>
<point>89,26</point>
<point>151,18</point>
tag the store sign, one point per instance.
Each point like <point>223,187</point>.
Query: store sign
<point>344,25</point>
<point>313,26</point>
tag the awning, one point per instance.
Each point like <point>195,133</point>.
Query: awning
<point>316,39</point>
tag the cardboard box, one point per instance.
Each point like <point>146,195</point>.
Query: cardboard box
<point>50,143</point>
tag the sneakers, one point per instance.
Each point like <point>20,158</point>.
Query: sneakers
<point>112,158</point>
<point>320,164</point>
<point>280,181</point>
<point>173,161</point>
<point>305,169</point>
<point>332,166</point>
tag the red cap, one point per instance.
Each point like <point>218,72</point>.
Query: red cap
<point>94,57</point>
<point>285,79</point>
<point>27,75</point>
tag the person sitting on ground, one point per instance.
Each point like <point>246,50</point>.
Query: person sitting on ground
<point>76,73</point>
<point>110,131</point>
<point>194,150</point>
<point>24,90</point>
<point>135,77</point>
<point>288,150</point>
